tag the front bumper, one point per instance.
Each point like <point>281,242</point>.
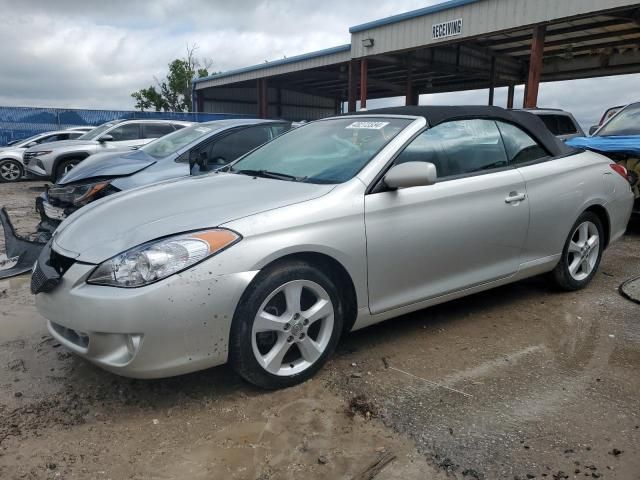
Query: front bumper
<point>175,326</point>
<point>33,168</point>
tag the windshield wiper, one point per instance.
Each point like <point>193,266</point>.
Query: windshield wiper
<point>268,174</point>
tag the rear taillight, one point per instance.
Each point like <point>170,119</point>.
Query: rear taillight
<point>620,170</point>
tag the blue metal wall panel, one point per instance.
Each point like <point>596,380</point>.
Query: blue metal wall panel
<point>22,122</point>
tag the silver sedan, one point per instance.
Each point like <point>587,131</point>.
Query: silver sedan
<point>331,227</point>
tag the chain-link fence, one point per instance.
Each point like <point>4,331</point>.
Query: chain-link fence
<point>23,122</point>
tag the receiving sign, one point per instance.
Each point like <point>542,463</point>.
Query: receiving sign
<point>446,29</point>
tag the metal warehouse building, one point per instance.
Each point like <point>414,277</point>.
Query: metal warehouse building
<point>456,45</point>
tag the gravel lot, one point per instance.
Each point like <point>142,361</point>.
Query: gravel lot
<point>519,382</point>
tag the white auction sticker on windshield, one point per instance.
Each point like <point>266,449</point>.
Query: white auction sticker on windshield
<point>203,129</point>
<point>368,125</point>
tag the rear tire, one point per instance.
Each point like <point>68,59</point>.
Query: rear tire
<point>581,254</point>
<point>64,167</point>
<point>287,324</point>
<point>10,170</point>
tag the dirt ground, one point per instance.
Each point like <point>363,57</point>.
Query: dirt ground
<point>515,383</point>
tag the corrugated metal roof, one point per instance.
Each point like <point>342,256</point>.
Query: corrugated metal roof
<point>412,14</point>
<point>283,61</point>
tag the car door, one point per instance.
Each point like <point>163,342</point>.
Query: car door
<point>467,229</point>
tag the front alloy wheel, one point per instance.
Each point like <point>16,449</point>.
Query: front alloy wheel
<point>292,327</point>
<point>10,171</point>
<point>287,324</point>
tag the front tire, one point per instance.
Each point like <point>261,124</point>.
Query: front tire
<point>65,167</point>
<point>581,254</point>
<point>287,324</point>
<point>10,171</point>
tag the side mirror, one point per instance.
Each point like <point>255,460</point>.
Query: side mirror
<point>105,138</point>
<point>411,174</point>
<point>593,129</point>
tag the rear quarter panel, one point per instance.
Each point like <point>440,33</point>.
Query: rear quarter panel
<point>558,191</point>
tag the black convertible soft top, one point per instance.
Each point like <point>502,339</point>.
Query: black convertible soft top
<point>439,114</point>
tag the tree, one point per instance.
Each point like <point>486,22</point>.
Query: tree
<point>173,94</point>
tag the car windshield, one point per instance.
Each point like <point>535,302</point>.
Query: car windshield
<point>626,122</point>
<point>328,151</point>
<point>173,142</point>
<point>96,132</point>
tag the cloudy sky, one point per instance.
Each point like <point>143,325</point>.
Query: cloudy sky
<point>89,54</point>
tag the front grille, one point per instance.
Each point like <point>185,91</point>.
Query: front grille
<point>48,270</point>
<point>38,279</point>
<point>76,337</point>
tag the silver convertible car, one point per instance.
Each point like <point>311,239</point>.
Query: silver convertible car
<point>331,227</point>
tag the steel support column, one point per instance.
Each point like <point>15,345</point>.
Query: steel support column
<point>510,94</point>
<point>492,80</point>
<point>352,87</point>
<point>278,102</point>
<point>263,100</point>
<point>535,67</point>
<point>410,95</point>
<point>363,82</point>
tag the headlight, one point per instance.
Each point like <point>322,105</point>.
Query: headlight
<point>153,261</point>
<point>39,153</point>
<point>79,195</point>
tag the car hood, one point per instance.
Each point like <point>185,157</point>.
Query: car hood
<point>108,165</point>
<point>119,222</point>
<point>62,144</point>
<point>12,150</point>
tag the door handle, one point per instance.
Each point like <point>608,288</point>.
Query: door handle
<point>515,197</point>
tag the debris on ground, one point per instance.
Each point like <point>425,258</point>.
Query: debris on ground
<point>359,405</point>
<point>373,469</point>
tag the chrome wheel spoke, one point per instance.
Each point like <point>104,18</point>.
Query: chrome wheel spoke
<point>574,266</point>
<point>321,309</point>
<point>593,241</point>
<point>272,361</point>
<point>574,247</point>
<point>309,349</point>
<point>293,295</point>
<point>583,233</point>
<point>266,322</point>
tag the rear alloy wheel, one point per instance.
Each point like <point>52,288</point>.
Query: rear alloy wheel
<point>65,167</point>
<point>10,171</point>
<point>582,253</point>
<point>286,326</point>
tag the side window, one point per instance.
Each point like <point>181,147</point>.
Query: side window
<point>74,135</point>
<point>49,138</point>
<point>566,125</point>
<point>237,144</point>
<point>459,147</point>
<point>520,147</point>
<point>156,130</point>
<point>129,131</point>
<point>279,129</point>
<point>551,122</point>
